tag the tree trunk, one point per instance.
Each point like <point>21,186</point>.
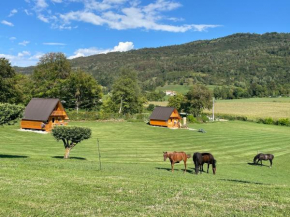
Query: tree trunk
<point>67,151</point>
<point>120,110</point>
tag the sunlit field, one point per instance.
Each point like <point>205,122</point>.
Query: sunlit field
<point>255,108</point>
<point>135,181</point>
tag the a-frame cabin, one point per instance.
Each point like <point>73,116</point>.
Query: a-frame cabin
<point>43,114</point>
<point>166,117</point>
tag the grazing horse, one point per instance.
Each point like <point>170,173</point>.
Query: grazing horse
<point>197,160</point>
<point>261,157</point>
<point>209,159</point>
<point>176,157</point>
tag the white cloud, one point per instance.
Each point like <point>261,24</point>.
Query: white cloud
<point>27,12</point>
<point>117,14</point>
<point>54,44</point>
<point>43,18</point>
<point>24,43</point>
<point>12,38</point>
<point>40,4</point>
<point>23,53</point>
<point>23,58</point>
<point>121,47</point>
<point>12,13</point>
<point>7,23</point>
<point>148,17</point>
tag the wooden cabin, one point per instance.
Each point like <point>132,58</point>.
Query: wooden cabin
<point>43,114</point>
<point>166,117</point>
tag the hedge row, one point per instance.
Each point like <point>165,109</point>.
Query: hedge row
<point>93,115</point>
<point>271,121</point>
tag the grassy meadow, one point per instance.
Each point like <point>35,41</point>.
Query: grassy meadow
<point>135,181</point>
<point>254,108</point>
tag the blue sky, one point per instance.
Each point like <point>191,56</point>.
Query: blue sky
<point>31,28</point>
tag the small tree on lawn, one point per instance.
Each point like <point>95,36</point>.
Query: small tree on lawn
<point>71,136</point>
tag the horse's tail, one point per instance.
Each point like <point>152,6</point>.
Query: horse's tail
<point>188,156</point>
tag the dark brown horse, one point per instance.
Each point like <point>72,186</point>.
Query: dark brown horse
<point>261,157</point>
<point>176,157</point>
<point>209,159</point>
<point>197,160</point>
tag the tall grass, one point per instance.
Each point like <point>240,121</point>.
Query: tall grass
<point>134,180</point>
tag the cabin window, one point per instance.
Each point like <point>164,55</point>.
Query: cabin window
<point>52,120</point>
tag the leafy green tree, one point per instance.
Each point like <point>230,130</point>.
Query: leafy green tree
<point>8,91</point>
<point>197,99</point>
<point>9,113</point>
<point>70,136</point>
<point>81,90</point>
<point>176,101</point>
<point>126,93</point>
<point>51,71</point>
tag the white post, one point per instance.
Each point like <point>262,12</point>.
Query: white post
<point>213,109</point>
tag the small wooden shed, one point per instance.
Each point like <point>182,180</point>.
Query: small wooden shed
<point>43,114</point>
<point>166,117</point>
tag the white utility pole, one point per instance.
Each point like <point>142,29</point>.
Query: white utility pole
<point>213,109</point>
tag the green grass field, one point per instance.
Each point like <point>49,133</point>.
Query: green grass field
<point>255,108</point>
<point>135,181</point>
<point>178,88</point>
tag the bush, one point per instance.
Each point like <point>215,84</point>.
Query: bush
<point>204,118</point>
<point>283,122</point>
<point>191,119</point>
<point>151,107</point>
<point>269,121</point>
<point>9,113</point>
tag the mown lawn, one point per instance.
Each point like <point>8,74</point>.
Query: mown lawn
<point>134,180</point>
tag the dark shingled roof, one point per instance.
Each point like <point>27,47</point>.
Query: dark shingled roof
<point>39,109</point>
<point>161,113</point>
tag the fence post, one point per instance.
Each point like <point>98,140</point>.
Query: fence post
<point>99,154</point>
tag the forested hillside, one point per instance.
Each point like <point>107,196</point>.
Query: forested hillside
<point>239,60</point>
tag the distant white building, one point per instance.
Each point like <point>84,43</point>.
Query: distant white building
<point>170,93</point>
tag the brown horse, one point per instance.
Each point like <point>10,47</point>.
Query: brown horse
<point>261,157</point>
<point>209,159</point>
<point>176,157</point>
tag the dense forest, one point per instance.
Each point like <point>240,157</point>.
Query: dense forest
<point>245,64</point>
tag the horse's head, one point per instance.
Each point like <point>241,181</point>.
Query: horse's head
<point>257,157</point>
<point>165,155</point>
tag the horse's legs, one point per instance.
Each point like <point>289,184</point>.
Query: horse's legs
<point>200,168</point>
<point>261,162</point>
<point>184,166</point>
<point>207,167</point>
<point>270,163</point>
<point>172,166</point>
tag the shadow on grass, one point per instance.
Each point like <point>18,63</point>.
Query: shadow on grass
<point>169,169</point>
<point>12,156</point>
<point>253,164</point>
<point>243,181</point>
<point>76,158</point>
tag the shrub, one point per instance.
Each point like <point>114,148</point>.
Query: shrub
<point>269,121</point>
<point>204,118</point>
<point>151,107</point>
<point>9,113</point>
<point>283,122</point>
<point>191,119</point>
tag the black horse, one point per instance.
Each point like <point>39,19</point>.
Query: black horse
<point>197,160</point>
<point>261,157</point>
<point>209,159</point>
